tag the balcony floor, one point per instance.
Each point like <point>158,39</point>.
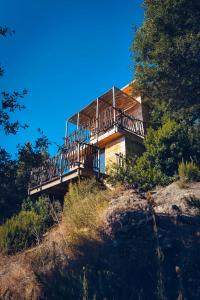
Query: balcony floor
<point>60,183</point>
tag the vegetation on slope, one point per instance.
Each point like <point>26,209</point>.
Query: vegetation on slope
<point>145,247</point>
<point>26,228</point>
<point>142,247</point>
<point>167,64</point>
<point>84,207</point>
<point>165,149</point>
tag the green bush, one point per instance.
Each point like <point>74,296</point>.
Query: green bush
<point>43,208</point>
<point>140,173</point>
<point>121,173</point>
<point>26,228</point>
<point>158,165</point>
<point>147,175</point>
<point>188,171</point>
<point>19,232</point>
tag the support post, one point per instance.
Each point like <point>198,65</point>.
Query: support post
<point>114,105</point>
<point>77,123</point>
<point>66,132</point>
<point>61,158</point>
<point>97,135</point>
<point>97,118</point>
<point>78,141</point>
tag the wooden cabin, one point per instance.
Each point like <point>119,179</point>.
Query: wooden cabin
<point>110,127</point>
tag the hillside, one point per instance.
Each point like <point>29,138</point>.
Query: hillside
<point>147,247</point>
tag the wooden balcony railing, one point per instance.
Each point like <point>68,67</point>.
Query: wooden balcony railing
<point>79,155</point>
<point>78,152</point>
<point>131,124</point>
<point>106,121</point>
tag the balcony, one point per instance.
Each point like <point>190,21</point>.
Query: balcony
<point>80,155</point>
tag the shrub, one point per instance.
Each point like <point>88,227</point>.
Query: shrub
<point>147,175</point>
<point>49,212</point>
<point>26,228</point>
<point>140,173</point>
<point>188,171</point>
<point>158,165</point>
<point>84,205</point>
<point>121,173</point>
<point>19,232</point>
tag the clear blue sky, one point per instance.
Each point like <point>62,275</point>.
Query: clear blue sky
<point>65,53</point>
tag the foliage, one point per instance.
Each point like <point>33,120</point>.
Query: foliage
<point>83,208</point>
<point>49,212</point>
<point>26,228</point>
<point>166,146</point>
<point>121,172</point>
<point>30,156</point>
<point>188,171</point>
<point>8,200</point>
<point>166,53</point>
<point>15,174</point>
<point>158,165</point>
<point>19,232</point>
<point>194,137</point>
<point>147,176</point>
<point>9,102</point>
<point>4,31</point>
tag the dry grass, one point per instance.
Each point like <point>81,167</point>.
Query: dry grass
<point>84,210</point>
<point>17,280</point>
<point>84,213</point>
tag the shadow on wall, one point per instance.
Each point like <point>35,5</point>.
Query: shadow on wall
<point>138,259</point>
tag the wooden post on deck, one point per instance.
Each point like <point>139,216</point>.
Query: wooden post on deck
<point>66,132</point>
<point>97,135</point>
<point>114,105</point>
<point>61,158</point>
<point>78,145</point>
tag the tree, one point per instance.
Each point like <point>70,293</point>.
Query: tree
<point>30,156</point>
<point>167,57</point>
<point>15,173</point>
<point>9,102</point>
<point>8,171</point>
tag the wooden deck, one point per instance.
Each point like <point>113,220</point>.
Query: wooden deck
<point>61,182</point>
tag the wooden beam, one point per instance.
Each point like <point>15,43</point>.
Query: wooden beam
<point>97,115</point>
<point>78,146</point>
<point>114,104</point>
<point>66,131</point>
<point>97,136</point>
<point>77,123</point>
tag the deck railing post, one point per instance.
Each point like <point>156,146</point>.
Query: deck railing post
<point>78,140</point>
<point>61,156</point>
<point>97,118</point>
<point>66,132</point>
<point>114,105</point>
<point>97,135</point>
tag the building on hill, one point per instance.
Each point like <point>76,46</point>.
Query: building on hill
<point>109,128</point>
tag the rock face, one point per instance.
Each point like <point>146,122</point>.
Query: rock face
<point>159,235</point>
<point>149,249</point>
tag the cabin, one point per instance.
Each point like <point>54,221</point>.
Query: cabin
<point>108,129</point>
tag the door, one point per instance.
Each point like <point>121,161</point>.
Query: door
<point>102,160</point>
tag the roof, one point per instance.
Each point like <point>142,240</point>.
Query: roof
<point>123,101</point>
